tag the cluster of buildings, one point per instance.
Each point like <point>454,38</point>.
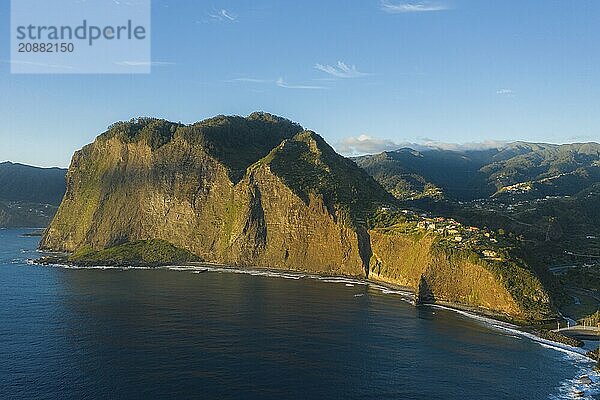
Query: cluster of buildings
<point>459,235</point>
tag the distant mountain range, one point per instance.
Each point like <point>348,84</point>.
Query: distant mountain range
<point>545,195</point>
<point>526,170</point>
<point>29,195</point>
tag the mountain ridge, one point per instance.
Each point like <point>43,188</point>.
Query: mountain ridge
<point>21,182</point>
<point>471,174</point>
<point>261,191</point>
<point>29,195</point>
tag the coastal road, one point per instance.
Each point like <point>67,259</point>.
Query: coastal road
<point>581,332</point>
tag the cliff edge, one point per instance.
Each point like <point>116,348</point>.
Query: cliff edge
<point>261,191</point>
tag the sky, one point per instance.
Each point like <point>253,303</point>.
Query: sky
<point>368,75</point>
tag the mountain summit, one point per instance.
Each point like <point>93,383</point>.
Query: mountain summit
<point>262,191</point>
<point>243,191</point>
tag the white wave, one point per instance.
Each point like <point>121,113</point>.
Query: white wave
<point>513,336</point>
<point>574,355</point>
<point>334,279</point>
<point>94,267</point>
<point>224,269</point>
<point>568,387</point>
<point>471,315</point>
<point>404,295</point>
<point>576,352</point>
<point>565,389</point>
<point>349,282</point>
<point>182,268</point>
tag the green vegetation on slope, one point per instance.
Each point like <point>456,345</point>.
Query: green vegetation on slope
<point>410,174</point>
<point>25,215</point>
<point>521,162</point>
<point>156,132</point>
<point>307,164</point>
<point>495,253</point>
<point>525,169</point>
<point>240,142</point>
<point>556,231</point>
<point>24,183</point>
<point>236,142</point>
<point>29,196</point>
<point>145,252</point>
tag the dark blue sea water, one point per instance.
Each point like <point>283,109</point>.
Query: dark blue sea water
<point>148,334</point>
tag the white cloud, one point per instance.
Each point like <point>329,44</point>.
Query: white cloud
<point>364,144</point>
<point>281,83</point>
<point>398,8</point>
<point>341,70</point>
<point>505,92</point>
<point>223,15</point>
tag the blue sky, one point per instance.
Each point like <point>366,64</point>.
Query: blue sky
<point>367,75</point>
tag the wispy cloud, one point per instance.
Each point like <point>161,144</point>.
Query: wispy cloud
<point>276,82</point>
<point>281,83</point>
<point>250,80</point>
<point>583,137</point>
<point>223,15</point>
<point>404,7</point>
<point>505,92</point>
<point>341,70</point>
<point>468,146</point>
<point>144,63</point>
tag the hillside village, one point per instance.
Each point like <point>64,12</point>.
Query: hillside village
<point>451,233</point>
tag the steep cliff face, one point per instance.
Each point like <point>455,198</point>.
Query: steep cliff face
<point>257,191</point>
<point>279,204</point>
<point>442,275</point>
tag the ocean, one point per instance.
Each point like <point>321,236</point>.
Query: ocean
<point>180,333</point>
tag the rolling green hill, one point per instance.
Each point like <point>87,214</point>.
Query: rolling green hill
<point>24,183</point>
<point>523,170</point>
<point>29,196</point>
<point>408,173</point>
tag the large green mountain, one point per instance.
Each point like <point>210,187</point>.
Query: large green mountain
<point>29,195</point>
<point>524,170</point>
<point>262,191</point>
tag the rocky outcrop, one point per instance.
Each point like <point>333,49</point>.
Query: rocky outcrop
<point>277,214</point>
<point>257,191</point>
<point>440,276</point>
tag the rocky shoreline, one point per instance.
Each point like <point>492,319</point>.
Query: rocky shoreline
<point>473,312</point>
